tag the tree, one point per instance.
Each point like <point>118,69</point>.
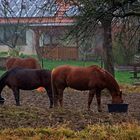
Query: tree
<point>12,33</point>
<point>103,12</point>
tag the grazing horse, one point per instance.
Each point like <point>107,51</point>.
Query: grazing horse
<point>92,78</point>
<point>26,79</point>
<point>31,63</point>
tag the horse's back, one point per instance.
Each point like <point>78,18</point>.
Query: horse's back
<point>74,70</point>
<point>73,76</point>
<point>31,63</point>
<point>25,78</point>
<point>10,62</point>
<point>83,78</point>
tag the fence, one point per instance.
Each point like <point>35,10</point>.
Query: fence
<point>60,53</point>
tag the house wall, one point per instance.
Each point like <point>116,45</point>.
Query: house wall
<point>28,48</point>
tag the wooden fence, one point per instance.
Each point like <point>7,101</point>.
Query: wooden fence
<point>60,53</point>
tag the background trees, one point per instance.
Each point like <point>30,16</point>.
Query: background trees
<point>104,13</point>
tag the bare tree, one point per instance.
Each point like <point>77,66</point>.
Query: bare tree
<point>103,12</point>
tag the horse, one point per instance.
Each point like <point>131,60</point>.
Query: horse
<point>26,79</point>
<point>92,78</point>
<point>31,63</point>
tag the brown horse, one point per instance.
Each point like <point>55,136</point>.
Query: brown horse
<point>31,63</point>
<point>92,78</point>
<point>26,79</point>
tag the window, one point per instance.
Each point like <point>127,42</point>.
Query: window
<point>48,38</point>
<point>8,34</point>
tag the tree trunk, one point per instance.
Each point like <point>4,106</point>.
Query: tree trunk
<point>38,51</point>
<point>37,36</point>
<point>107,46</point>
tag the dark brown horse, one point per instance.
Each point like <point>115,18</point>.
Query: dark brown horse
<point>31,63</point>
<point>26,79</point>
<point>92,78</point>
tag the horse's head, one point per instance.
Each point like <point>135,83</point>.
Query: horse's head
<point>117,98</point>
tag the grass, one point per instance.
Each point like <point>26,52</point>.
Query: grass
<point>92,132</point>
<point>50,64</point>
<point>121,76</point>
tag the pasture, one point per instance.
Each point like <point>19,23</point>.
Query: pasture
<point>34,120</point>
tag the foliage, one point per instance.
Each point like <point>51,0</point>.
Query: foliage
<point>3,54</point>
<point>122,55</point>
<point>126,41</point>
<point>14,52</point>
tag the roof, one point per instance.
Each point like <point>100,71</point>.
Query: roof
<point>35,8</point>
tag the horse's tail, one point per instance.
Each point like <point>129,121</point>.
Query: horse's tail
<point>2,80</point>
<point>54,90</point>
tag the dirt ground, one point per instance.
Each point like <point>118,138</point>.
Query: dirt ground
<point>34,110</point>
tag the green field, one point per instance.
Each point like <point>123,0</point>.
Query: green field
<point>121,76</point>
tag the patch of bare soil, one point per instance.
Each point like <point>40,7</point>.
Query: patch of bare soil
<point>34,110</point>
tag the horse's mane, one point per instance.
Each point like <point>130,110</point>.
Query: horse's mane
<point>113,82</point>
<point>107,76</point>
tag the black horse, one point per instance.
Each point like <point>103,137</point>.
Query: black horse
<point>26,79</point>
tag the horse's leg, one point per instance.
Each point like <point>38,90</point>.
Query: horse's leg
<point>50,95</point>
<point>90,98</point>
<point>98,98</point>
<point>16,95</point>
<point>55,95</point>
<point>1,88</point>
<point>2,85</point>
<point>60,96</point>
